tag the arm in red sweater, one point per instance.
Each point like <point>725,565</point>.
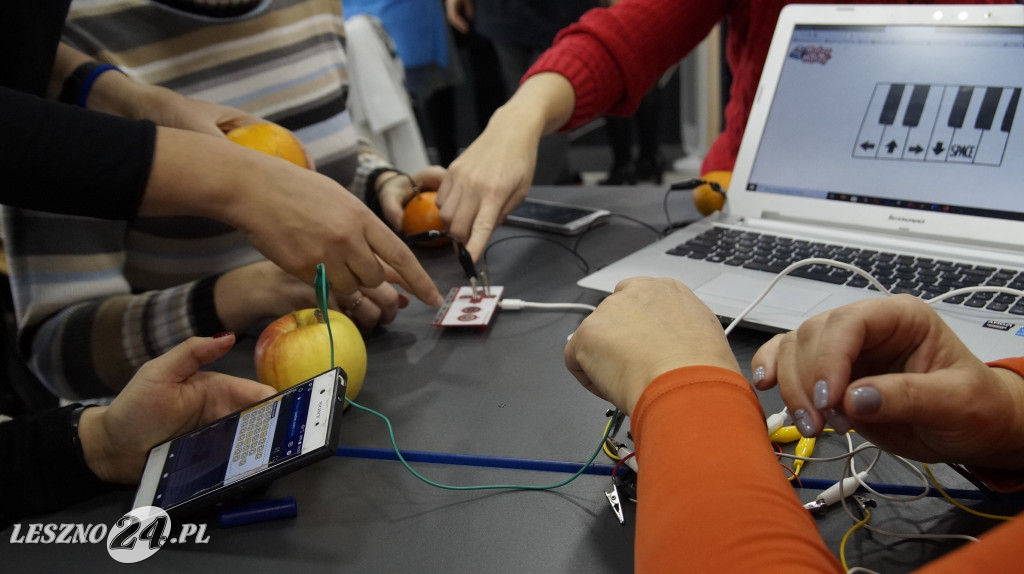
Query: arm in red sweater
<point>613,56</point>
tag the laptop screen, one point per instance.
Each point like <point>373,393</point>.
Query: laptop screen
<point>915,117</point>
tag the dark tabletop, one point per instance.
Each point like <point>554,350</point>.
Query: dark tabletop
<point>499,394</point>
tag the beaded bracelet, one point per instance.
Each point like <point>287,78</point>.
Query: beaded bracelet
<point>397,174</point>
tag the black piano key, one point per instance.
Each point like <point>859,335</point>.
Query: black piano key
<point>959,111</point>
<point>1011,110</point>
<point>987,113</point>
<point>892,103</point>
<point>917,98</point>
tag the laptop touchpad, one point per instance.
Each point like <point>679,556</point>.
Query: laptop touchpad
<point>741,290</point>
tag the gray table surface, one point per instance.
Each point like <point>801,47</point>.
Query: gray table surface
<point>499,392</point>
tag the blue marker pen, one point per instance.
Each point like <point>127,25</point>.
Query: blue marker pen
<point>259,512</point>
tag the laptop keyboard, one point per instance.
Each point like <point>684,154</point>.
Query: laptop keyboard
<point>900,273</point>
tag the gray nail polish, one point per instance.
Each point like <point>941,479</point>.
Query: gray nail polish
<point>837,420</point>
<point>865,400</point>
<point>804,423</point>
<point>820,394</point>
<point>759,374</point>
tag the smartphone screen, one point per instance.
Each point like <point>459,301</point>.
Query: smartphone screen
<point>281,432</point>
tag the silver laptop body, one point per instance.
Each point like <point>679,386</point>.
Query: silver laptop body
<point>896,130</point>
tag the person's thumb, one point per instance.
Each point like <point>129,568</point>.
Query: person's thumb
<point>905,398</point>
<point>187,358</point>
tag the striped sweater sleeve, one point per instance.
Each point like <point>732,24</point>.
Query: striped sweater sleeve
<point>81,326</point>
<point>286,62</point>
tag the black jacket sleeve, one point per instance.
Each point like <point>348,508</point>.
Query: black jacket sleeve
<point>58,158</point>
<point>39,469</point>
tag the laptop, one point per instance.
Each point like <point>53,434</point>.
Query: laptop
<point>887,137</point>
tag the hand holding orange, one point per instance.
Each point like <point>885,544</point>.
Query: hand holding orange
<point>270,139</point>
<point>422,214</point>
<point>706,198</point>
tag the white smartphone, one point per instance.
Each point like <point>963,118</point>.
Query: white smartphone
<point>556,217</point>
<point>247,449</point>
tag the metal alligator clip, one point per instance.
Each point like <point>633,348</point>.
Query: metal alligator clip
<point>615,501</point>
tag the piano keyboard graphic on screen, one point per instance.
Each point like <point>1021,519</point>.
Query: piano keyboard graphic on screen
<point>922,122</point>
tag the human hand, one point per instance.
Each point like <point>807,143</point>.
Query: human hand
<point>296,217</point>
<point>397,191</point>
<point>374,306</point>
<point>170,109</point>
<point>262,290</point>
<point>120,95</point>
<point>485,183</point>
<point>167,397</point>
<point>460,14</point>
<point>493,175</point>
<point>647,327</point>
<point>893,370</point>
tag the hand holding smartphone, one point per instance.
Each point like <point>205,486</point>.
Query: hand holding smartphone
<point>246,449</point>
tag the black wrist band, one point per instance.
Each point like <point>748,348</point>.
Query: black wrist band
<point>78,84</point>
<point>76,441</point>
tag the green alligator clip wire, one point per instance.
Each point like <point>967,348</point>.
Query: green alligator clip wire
<point>323,287</point>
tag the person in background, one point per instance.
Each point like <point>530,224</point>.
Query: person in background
<point>432,72</point>
<point>487,87</point>
<point>892,369</point>
<point>605,64</point>
<point>95,298</point>
<point>649,164</point>
<point>520,31</point>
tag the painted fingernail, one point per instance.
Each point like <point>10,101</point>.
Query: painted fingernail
<point>820,394</point>
<point>804,423</point>
<point>222,334</point>
<point>837,420</point>
<point>865,400</point>
<point>759,375</point>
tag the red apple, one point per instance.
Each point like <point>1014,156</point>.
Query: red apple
<point>296,347</point>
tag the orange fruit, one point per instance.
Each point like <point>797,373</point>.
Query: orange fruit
<point>707,199</point>
<point>270,139</point>
<point>422,214</point>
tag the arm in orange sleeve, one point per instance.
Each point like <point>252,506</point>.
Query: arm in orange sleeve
<point>731,509</point>
<point>997,479</point>
<point>1000,549</point>
<point>728,509</point>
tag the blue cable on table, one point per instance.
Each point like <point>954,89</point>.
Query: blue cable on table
<point>599,469</point>
<point>473,460</point>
